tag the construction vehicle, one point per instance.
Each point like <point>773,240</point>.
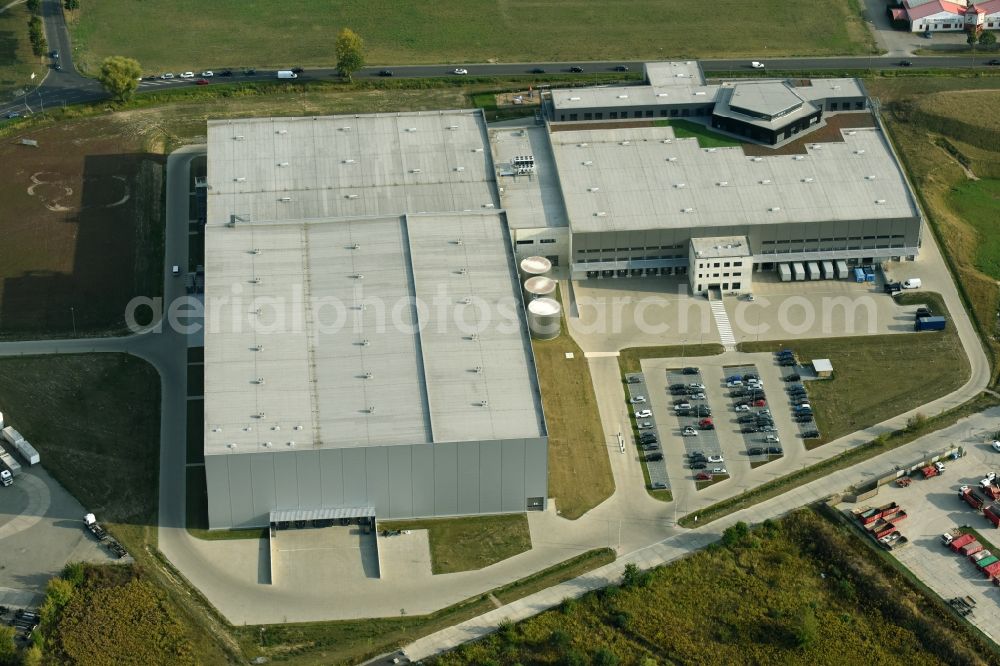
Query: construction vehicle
<point>101,534</point>
<point>971,497</point>
<point>963,605</point>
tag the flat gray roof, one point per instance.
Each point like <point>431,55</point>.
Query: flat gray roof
<point>535,201</point>
<point>348,167</point>
<point>680,73</point>
<point>645,178</point>
<point>567,99</point>
<point>720,246</point>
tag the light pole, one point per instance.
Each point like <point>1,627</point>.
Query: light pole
<point>72,313</point>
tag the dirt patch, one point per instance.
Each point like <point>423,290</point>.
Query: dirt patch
<point>82,221</point>
<point>829,133</point>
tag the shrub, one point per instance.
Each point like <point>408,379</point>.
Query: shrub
<point>605,657</point>
<point>74,573</point>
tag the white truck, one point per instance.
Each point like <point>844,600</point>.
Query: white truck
<point>287,74</point>
<point>8,464</point>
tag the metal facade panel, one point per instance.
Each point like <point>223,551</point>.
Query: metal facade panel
<point>401,481</point>
<point>262,478</point>
<point>536,460</point>
<point>331,473</point>
<point>424,481</point>
<point>355,478</point>
<point>307,463</point>
<point>512,466</point>
<point>377,473</point>
<point>240,490</point>
<point>468,477</point>
<point>220,511</point>
<point>489,477</point>
<point>445,479</point>
<point>286,491</point>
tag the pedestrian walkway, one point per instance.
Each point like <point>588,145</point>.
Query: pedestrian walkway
<point>725,328</point>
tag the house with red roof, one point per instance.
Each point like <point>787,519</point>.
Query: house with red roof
<point>946,16</point>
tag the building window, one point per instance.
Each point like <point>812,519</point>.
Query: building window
<point>573,116</point>
<point>699,276</point>
<point>553,259</point>
<point>663,112</point>
<point>673,114</point>
<point>737,263</point>
<point>685,112</point>
<point>859,105</point>
<point>716,265</point>
<point>725,265</point>
<point>525,242</point>
<point>637,114</point>
<point>833,106</point>
<point>715,275</point>
<point>599,115</point>
<point>725,275</point>
<point>547,240</point>
<point>613,115</point>
<point>736,285</point>
<point>588,116</point>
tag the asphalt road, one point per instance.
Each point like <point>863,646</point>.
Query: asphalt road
<point>67,87</point>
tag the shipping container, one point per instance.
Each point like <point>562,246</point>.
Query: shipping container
<point>798,271</point>
<point>981,555</point>
<point>1,419</point>
<point>828,272</point>
<point>813,269</point>
<point>987,561</point>
<point>842,271</point>
<point>930,324</point>
<point>27,452</point>
<point>785,271</point>
<point>992,514</point>
<point>960,541</point>
<point>970,548</point>
<point>7,460</point>
<point>11,435</point>
<point>992,571</point>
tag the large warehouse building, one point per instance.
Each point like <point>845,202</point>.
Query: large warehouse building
<point>366,349</point>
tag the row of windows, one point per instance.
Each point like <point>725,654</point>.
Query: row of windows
<point>841,239</point>
<point>532,242</point>
<point>724,285</point>
<point>647,248</point>
<point>715,275</point>
<point>725,264</point>
<point>631,258</point>
<point>648,113</point>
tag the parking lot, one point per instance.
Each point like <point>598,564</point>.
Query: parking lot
<point>753,417</point>
<point>695,424</point>
<point>650,452</point>
<point>796,391</point>
<point>933,507</point>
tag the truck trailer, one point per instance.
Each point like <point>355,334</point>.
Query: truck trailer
<point>971,497</point>
<point>930,324</point>
<point>970,548</point>
<point>11,435</point>
<point>7,462</point>
<point>992,571</point>
<point>992,513</point>
<point>828,272</point>
<point>813,269</point>
<point>960,541</point>
<point>798,271</point>
<point>842,271</point>
<point>27,452</point>
<point>785,272</point>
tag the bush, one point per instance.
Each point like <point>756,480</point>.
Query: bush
<point>71,4</point>
<point>36,32</point>
<point>74,573</point>
<point>605,657</point>
<point>573,658</point>
<point>736,535</point>
<point>33,5</point>
<point>559,639</point>
<point>8,651</point>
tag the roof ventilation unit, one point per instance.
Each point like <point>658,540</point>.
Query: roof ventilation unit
<point>478,370</point>
<point>774,209</point>
<point>710,150</point>
<point>588,163</point>
<point>671,159</point>
<point>255,250</point>
<point>462,271</point>
<point>350,196</point>
<point>355,246</point>
<point>687,210</point>
<point>282,164</point>
<point>574,99</point>
<point>347,161</point>
<point>766,181</point>
<point>291,442</point>
<point>484,403</point>
<point>414,170</point>
<point>346,128</point>
<point>625,143</point>
<point>217,429</point>
<point>458,241</point>
<point>459,168</point>
<point>231,445</point>
<point>756,159</point>
<point>239,179</point>
<point>281,131</point>
<point>466,301</point>
<point>298,427</point>
<point>622,96</point>
<point>268,445</point>
<point>474,337</point>
<point>257,348</point>
<point>285,199</point>
<point>662,95</point>
<point>371,409</point>
<point>872,177</point>
<point>880,201</point>
<point>411,129</point>
<point>369,375</point>
<point>255,280</point>
<point>601,213</point>
<point>808,180</point>
<point>358,276</point>
<point>851,133</point>
<point>259,380</point>
<point>582,145</point>
<point>799,158</point>
<point>723,183</point>
<point>488,205</point>
<point>680,186</point>
<point>477,150</point>
<point>276,427</point>
<point>260,415</point>
<point>859,151</point>
<point>453,127</point>
<point>593,189</point>
<point>365,342</point>
<point>239,137</point>
<point>666,141</point>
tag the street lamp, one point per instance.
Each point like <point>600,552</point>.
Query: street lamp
<point>72,313</point>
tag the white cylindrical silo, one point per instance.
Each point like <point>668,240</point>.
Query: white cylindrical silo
<point>544,318</point>
<point>538,286</point>
<point>535,266</point>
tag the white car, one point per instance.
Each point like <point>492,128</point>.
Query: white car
<point>996,444</point>
<point>720,470</point>
<point>697,387</point>
<point>166,76</point>
<point>643,414</point>
<point>187,75</point>
<point>639,399</point>
<point>645,425</point>
<point>736,383</point>
<point>683,405</point>
<point>689,432</point>
<point>772,439</point>
<point>698,396</point>
<point>207,74</point>
<point>757,64</point>
<point>460,70</point>
<point>743,408</point>
<point>755,383</point>
<point>715,459</point>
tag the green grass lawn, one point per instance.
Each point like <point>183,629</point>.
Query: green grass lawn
<point>685,129</point>
<point>465,544</point>
<point>912,369</point>
<point>301,32</point>
<point>17,62</point>
<point>978,202</point>
<point>580,475</point>
<point>801,590</point>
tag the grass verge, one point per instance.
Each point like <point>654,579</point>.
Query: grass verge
<point>630,358</point>
<point>351,642</point>
<point>580,475</point>
<point>685,129</point>
<point>856,455</point>
<point>466,544</point>
<point>914,369</point>
<point>797,591</point>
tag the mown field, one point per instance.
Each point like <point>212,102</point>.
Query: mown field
<point>187,34</point>
<point>17,62</point>
<point>946,132</point>
<point>797,591</point>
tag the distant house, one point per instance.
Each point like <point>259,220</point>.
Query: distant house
<point>944,16</point>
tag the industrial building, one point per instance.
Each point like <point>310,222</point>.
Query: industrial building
<point>356,360</point>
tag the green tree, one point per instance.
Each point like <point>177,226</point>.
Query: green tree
<point>71,4</point>
<point>32,656</point>
<point>33,5</point>
<point>736,535</point>
<point>74,573</point>
<point>987,39</point>
<point>970,38</point>
<point>8,651</point>
<point>605,657</point>
<point>36,33</point>
<point>807,628</point>
<point>350,52</point>
<point>120,76</point>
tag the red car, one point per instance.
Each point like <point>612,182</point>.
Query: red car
<point>705,422</point>
<point>703,476</point>
<point>760,403</point>
<point>201,82</point>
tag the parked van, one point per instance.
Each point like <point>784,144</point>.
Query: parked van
<point>287,74</point>
<point>912,283</point>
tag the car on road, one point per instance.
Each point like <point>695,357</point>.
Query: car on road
<point>58,68</point>
<point>621,68</point>
<point>576,69</point>
<point>250,72</point>
<point>187,75</point>
<point>639,399</point>
<point>385,72</point>
<point>460,70</point>
<point>226,72</point>
<point>201,82</point>
<point>297,70</point>
<point>892,287</point>
<point>643,414</point>
<point>689,371</point>
<point>207,74</point>
<point>54,54</point>
<point>644,425</point>
<point>13,114</point>
<point>905,63</point>
<point>756,64</point>
<point>715,459</point>
<point>166,76</point>
<point>743,407</point>
<point>537,70</point>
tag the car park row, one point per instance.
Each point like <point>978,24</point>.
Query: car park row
<point>753,417</point>
<point>696,426</point>
<point>798,395</point>
<point>647,436</point>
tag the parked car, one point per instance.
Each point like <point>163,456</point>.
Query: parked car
<point>720,470</point>
<point>655,455</point>
<point>924,312</point>
<point>794,377</point>
<point>634,379</point>
<point>707,426</point>
<point>738,383</point>
<point>699,396</point>
<point>644,425</point>
<point>703,476</point>
<point>166,76</point>
<point>696,386</point>
<point>715,459</point>
<point>996,445</point>
<point>678,387</point>
<point>810,434</point>
<point>689,432</point>
<point>688,371</point>
<point>658,485</point>
<point>683,405</point>
<point>742,407</point>
<point>638,400</point>
<point>775,450</point>
<point>650,446</point>
<point>803,419</point>
<point>760,403</point>
<point>771,439</point>
<point>698,465</point>
<point>786,363</point>
<point>892,287</point>
<point>643,414</point>
<point>748,429</point>
<point>702,410</point>
<point>756,450</point>
<point>804,407</point>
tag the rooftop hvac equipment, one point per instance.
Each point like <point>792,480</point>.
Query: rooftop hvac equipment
<point>281,131</point>
<point>239,179</point>
<point>457,241</point>
<point>350,196</point>
<point>774,209</point>
<point>239,137</point>
<point>298,427</point>
<point>766,181</point>
<point>355,246</point>
<point>756,159</point>
<point>365,342</point>
<point>292,441</point>
<point>671,159</point>
<point>870,177</point>
<point>282,164</point>
<point>259,380</point>
<point>346,128</point>
<point>687,210</point>
<point>462,271</point>
<point>260,415</point>
<point>622,96</point>
<point>347,161</point>
<point>799,158</point>
<point>466,301</point>
<point>808,180</point>
<point>488,205</point>
<point>459,168</point>
<point>723,183</point>
<point>523,163</point>
<point>601,213</point>
<point>414,170</point>
<point>539,286</point>
<point>535,266</point>
<point>255,250</point>
<point>544,318</point>
<point>625,143</point>
<point>268,445</point>
<point>255,280</point>
<point>474,337</point>
<point>680,186</point>
<point>285,199</point>
<point>369,375</point>
<point>588,163</point>
<point>257,348</point>
<point>453,127</point>
<point>358,276</point>
<point>484,403</point>
<point>478,370</point>
<point>859,151</point>
<point>593,189</point>
<point>477,150</point>
<point>582,145</point>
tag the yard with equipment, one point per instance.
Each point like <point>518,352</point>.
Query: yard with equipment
<point>301,32</point>
<point>912,370</point>
<point>795,591</point>
<point>464,544</point>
